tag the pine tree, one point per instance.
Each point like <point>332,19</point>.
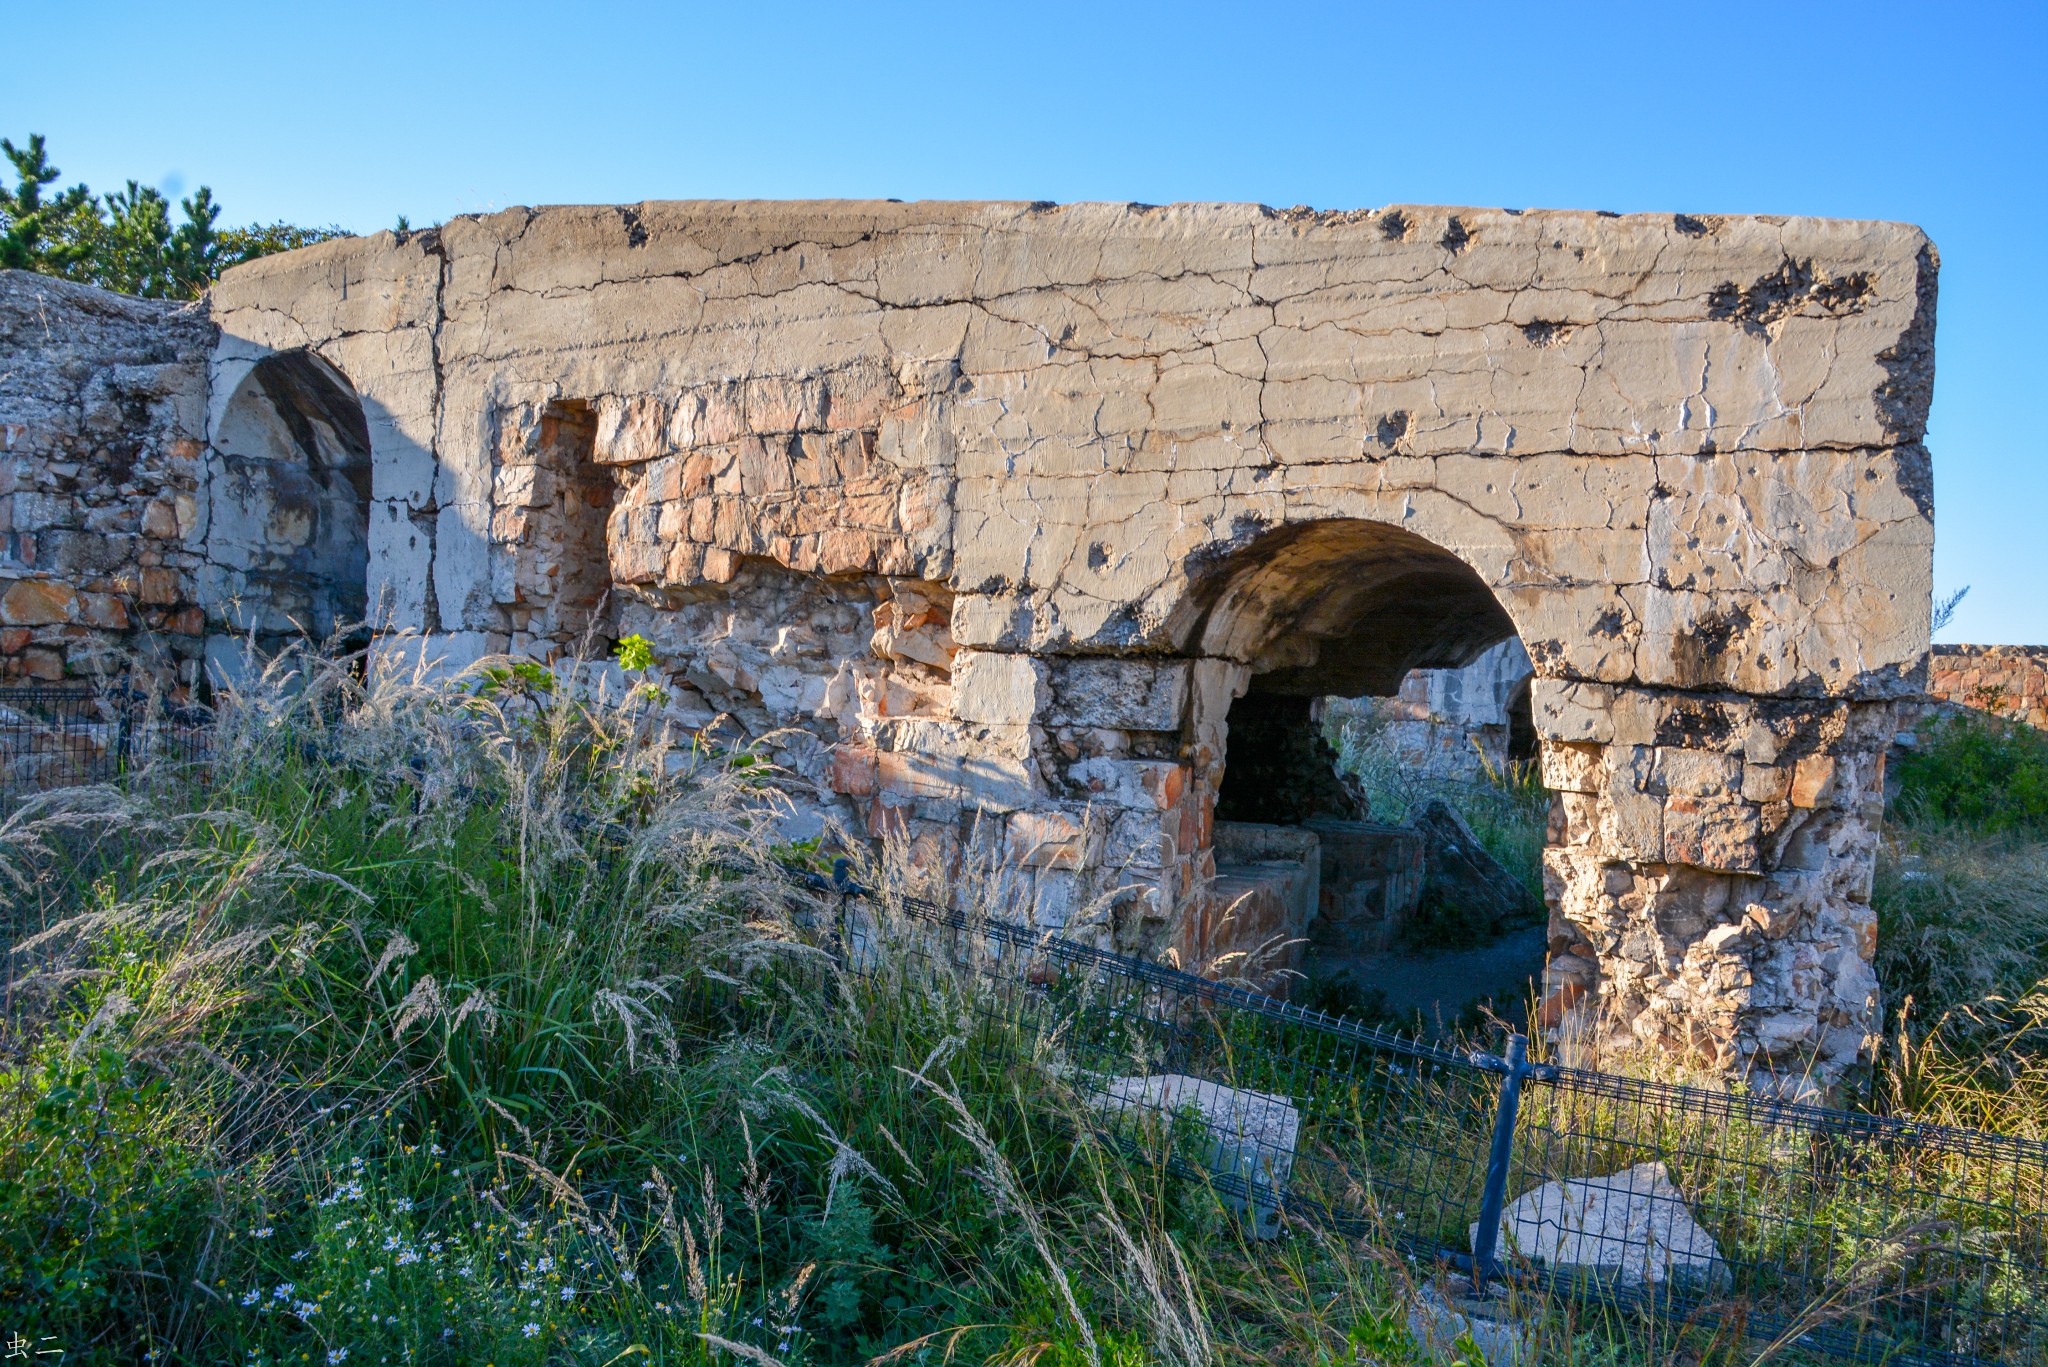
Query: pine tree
<point>125,240</point>
<point>38,234</point>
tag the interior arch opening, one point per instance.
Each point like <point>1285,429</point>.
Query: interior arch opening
<point>291,516</point>
<point>1378,800</point>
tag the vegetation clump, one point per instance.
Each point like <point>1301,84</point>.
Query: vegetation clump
<point>1961,896</point>
<point>125,240</point>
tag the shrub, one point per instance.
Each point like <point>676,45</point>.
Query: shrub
<point>1980,772</point>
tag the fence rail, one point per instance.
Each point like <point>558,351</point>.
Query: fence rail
<point>1859,1237</point>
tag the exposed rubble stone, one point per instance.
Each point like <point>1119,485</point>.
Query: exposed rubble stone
<point>1249,1140</point>
<point>987,516</point>
<point>102,424</point>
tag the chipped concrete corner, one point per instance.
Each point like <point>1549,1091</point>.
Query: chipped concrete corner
<point>996,510</point>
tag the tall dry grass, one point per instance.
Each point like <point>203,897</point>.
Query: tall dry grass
<point>471,1019</point>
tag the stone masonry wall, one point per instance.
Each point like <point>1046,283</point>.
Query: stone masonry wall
<point>102,429</point>
<point>2008,681</point>
<point>989,513</point>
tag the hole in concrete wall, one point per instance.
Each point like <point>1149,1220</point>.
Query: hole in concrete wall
<point>292,511</point>
<point>1377,796</point>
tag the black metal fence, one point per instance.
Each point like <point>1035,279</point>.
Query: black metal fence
<point>1837,1233</point>
<point>55,736</point>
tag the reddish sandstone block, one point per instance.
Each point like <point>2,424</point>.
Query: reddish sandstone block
<point>855,770</point>
<point>1811,779</point>
<point>38,602</point>
<point>159,586</point>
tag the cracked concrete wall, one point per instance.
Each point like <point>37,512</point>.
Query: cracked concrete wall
<point>1003,504</point>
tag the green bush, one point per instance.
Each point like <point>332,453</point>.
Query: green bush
<point>1980,772</point>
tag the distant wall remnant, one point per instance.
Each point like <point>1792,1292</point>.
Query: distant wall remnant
<point>1459,723</point>
<point>2006,681</point>
<point>1020,518</point>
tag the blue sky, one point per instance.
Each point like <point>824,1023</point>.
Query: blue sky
<point>354,114</point>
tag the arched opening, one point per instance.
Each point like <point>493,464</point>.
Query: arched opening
<point>1377,792</point>
<point>291,511</point>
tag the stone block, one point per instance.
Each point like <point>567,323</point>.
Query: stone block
<point>1813,781</point>
<point>996,782</point>
<point>1047,839</point>
<point>1569,768</point>
<point>1763,783</point>
<point>855,770</point>
<point>1143,785</point>
<point>1711,832</point>
<point>40,602</point>
<point>103,610</point>
<point>1140,840</point>
<point>1697,773</point>
<point>908,775</point>
<point>1631,825</point>
<point>630,430</point>
<point>1134,695</point>
<point>1441,1326</point>
<point>1572,712</point>
<point>159,587</point>
<point>998,688</point>
<point>1250,1136</point>
<point>1626,1231</point>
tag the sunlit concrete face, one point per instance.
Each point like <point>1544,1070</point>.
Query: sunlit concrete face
<point>994,509</point>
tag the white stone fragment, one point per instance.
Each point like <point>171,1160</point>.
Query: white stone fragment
<point>1437,1324</point>
<point>1251,1134</point>
<point>1628,1229</point>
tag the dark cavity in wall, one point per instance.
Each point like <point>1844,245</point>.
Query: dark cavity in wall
<point>570,530</point>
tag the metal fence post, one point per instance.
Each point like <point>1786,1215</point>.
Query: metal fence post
<point>1492,1197</point>
<point>842,933</point>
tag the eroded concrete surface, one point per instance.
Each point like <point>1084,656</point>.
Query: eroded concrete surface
<point>1000,506</point>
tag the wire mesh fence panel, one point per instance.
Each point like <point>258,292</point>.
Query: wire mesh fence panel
<point>56,737</point>
<point>1857,1235</point>
<point>60,736</point>
<point>1841,1234</point>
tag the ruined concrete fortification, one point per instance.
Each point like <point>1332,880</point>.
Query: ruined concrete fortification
<point>1004,508</point>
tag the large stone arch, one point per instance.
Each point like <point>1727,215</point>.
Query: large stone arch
<point>1336,608</point>
<point>289,484</point>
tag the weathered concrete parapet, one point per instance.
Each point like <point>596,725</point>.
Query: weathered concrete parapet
<point>1002,517</point>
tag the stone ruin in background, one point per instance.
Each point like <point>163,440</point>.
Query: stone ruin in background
<point>1061,519</point>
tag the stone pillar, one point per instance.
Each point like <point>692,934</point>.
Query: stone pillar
<point>1709,871</point>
